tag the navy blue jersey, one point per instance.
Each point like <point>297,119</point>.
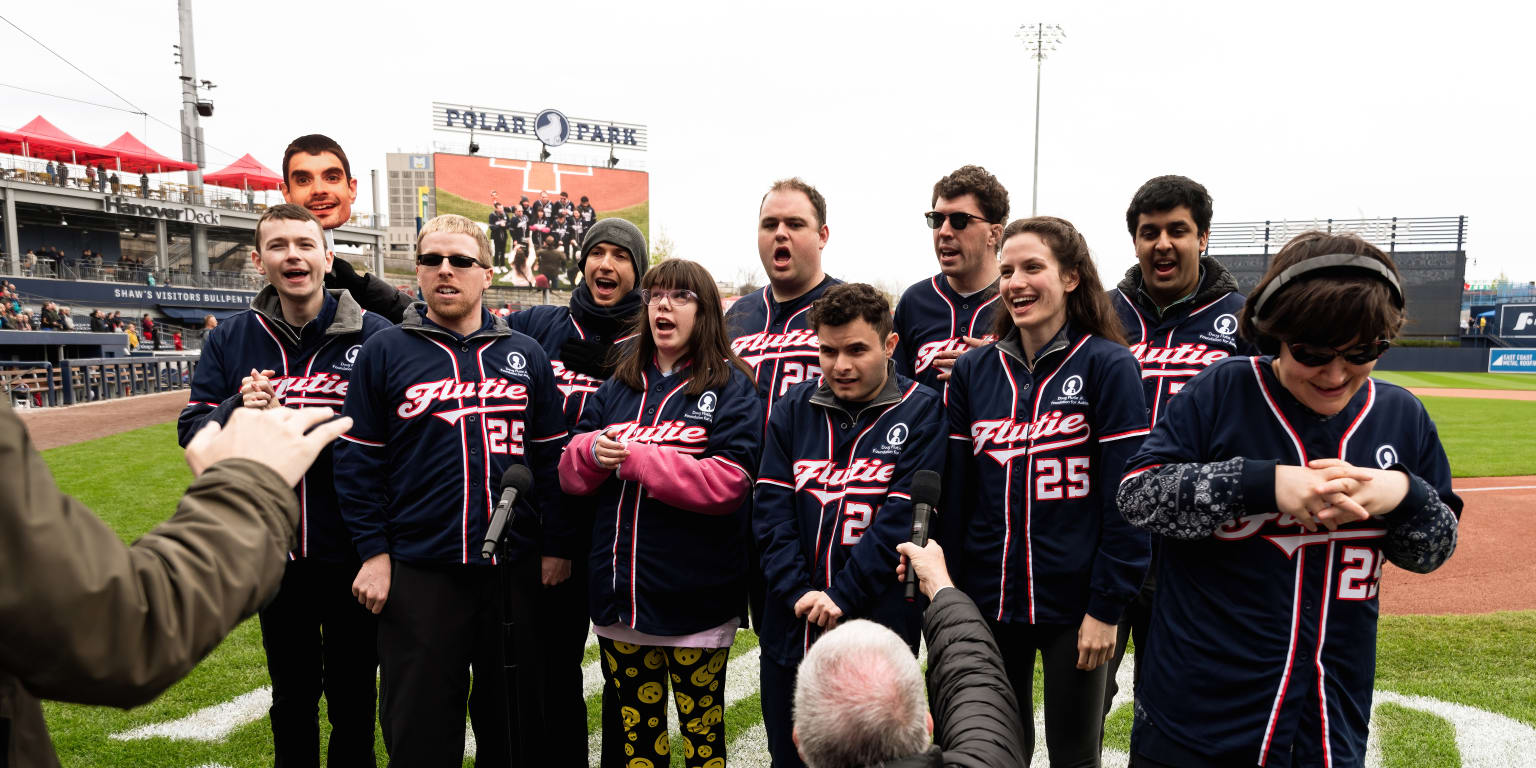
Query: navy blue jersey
<point>833,500</point>
<point>1187,337</point>
<point>310,368</point>
<point>1030,484</point>
<point>551,326</point>
<point>668,548</point>
<point>932,318</point>
<point>776,340</point>
<point>1263,635</point>
<point>437,418</point>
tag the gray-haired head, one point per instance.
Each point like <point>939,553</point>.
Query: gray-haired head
<point>859,699</point>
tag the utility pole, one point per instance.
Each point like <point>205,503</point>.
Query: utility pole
<point>1040,40</point>
<point>192,138</point>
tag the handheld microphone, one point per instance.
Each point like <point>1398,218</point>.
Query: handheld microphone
<point>925,496</point>
<point>515,481</point>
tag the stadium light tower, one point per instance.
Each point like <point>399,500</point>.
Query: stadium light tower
<point>1040,40</point>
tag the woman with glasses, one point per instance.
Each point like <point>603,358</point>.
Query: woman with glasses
<point>668,449</point>
<point>1041,424</point>
<point>1278,486</point>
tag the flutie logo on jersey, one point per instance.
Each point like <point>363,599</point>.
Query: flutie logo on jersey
<point>570,382</point>
<point>757,347</point>
<point>826,473</point>
<point>1071,391</point>
<point>420,397</point>
<point>1226,325</point>
<point>895,437</point>
<point>348,359</point>
<point>1246,526</point>
<point>676,434</point>
<point>1005,432</point>
<point>1193,355</point>
<point>704,410</point>
<point>315,384</point>
<point>1386,456</point>
<point>517,366</point>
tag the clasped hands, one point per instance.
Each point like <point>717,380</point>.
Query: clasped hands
<point>1332,492</point>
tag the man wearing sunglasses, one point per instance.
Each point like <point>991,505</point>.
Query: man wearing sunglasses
<point>940,318</point>
<point>1179,311</point>
<point>443,404</point>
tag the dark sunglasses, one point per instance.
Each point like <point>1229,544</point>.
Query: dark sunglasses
<point>957,220</point>
<point>677,296</point>
<point>1313,356</point>
<point>436,259</point>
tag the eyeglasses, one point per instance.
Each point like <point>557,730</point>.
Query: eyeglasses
<point>957,220</point>
<point>678,297</point>
<point>436,259</point>
<point>1314,356</point>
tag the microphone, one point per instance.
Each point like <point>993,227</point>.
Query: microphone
<point>515,481</point>
<point>925,495</point>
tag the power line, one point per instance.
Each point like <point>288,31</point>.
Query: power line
<point>135,110</point>
<point>70,63</point>
<point>68,98</point>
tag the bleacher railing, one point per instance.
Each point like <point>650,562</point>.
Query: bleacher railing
<point>90,379</point>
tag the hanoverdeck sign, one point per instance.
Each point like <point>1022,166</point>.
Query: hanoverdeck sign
<point>130,207</point>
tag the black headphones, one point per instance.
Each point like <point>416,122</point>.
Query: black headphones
<point>1344,262</point>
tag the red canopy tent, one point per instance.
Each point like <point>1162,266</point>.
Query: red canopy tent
<point>11,143</point>
<point>138,158</point>
<point>43,140</point>
<point>245,173</point>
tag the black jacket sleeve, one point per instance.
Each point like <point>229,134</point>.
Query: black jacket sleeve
<point>370,291</point>
<point>975,714</point>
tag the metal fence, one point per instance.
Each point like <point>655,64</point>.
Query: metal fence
<point>41,384</point>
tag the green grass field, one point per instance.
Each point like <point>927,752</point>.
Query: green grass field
<point>1487,662</point>
<point>1520,381</point>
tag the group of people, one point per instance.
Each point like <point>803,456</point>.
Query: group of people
<point>1215,476</point>
<point>551,229</point>
<point>96,178</point>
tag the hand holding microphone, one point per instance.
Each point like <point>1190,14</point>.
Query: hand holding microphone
<point>925,495</point>
<point>514,482</point>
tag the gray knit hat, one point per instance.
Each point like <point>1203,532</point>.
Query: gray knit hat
<point>619,232</point>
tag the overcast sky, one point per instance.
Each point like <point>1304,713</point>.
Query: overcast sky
<point>1296,111</point>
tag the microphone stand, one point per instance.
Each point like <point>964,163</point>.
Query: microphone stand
<point>514,602</point>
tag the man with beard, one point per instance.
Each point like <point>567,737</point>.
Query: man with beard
<point>1179,311</point>
<point>579,339</point>
<point>443,404</point>
<point>940,318</point>
<point>318,178</point>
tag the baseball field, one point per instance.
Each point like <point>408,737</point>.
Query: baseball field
<point>1456,668</point>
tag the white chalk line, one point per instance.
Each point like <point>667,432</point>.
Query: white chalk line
<point>1483,739</point>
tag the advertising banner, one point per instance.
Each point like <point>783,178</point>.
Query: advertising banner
<point>1513,360</point>
<point>1517,321</point>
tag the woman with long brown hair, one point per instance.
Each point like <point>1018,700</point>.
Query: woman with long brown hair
<point>668,448</point>
<point>1041,424</point>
